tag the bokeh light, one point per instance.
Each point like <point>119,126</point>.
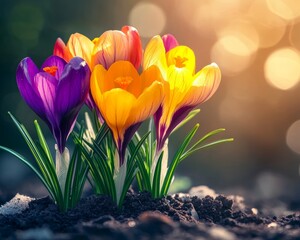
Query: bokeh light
<point>234,48</point>
<point>286,9</point>
<point>293,137</point>
<point>294,35</point>
<point>270,27</point>
<point>282,68</point>
<point>148,18</point>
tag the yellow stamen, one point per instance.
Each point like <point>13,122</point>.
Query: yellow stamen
<point>123,82</point>
<point>179,61</point>
<point>51,70</point>
<point>95,40</point>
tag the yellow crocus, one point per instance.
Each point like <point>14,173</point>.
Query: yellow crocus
<point>125,99</point>
<point>184,89</point>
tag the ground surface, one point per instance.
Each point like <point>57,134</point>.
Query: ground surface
<point>174,217</point>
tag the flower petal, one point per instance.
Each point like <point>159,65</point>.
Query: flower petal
<point>147,103</point>
<point>98,83</point>
<point>81,46</point>
<point>180,81</point>
<point>150,75</point>
<point>116,108</point>
<point>155,54</point>
<point>135,45</point>
<point>73,86</point>
<point>110,47</point>
<point>169,42</point>
<point>205,84</point>
<point>72,91</point>
<point>55,61</point>
<point>125,76</point>
<point>25,81</point>
<point>46,86</point>
<point>61,50</point>
<point>182,57</point>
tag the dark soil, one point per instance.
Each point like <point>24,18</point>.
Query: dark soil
<point>178,217</point>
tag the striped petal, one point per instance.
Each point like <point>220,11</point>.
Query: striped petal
<point>25,80</point>
<point>81,46</point>
<point>110,47</point>
<point>61,50</point>
<point>134,45</point>
<point>205,84</point>
<point>155,54</point>
<point>46,88</point>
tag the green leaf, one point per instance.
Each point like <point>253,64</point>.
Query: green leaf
<point>33,168</point>
<point>176,159</point>
<point>207,136</point>
<point>189,152</point>
<point>43,143</point>
<point>131,166</point>
<point>189,117</point>
<point>46,169</point>
<point>144,175</point>
<point>156,177</point>
<point>98,162</point>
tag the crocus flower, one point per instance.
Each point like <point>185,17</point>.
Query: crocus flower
<point>125,98</point>
<point>77,46</point>
<point>111,46</point>
<point>55,92</point>
<point>184,89</point>
<point>116,45</point>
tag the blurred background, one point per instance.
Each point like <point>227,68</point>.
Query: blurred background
<point>256,43</point>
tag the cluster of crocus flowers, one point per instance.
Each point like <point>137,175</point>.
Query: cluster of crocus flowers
<point>125,85</point>
<point>111,46</point>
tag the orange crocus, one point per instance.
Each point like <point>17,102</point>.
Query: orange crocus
<point>125,98</point>
<point>111,46</point>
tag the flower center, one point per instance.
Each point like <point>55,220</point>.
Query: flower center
<point>180,61</point>
<point>123,82</point>
<point>51,70</point>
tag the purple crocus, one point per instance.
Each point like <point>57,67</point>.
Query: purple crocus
<point>56,92</point>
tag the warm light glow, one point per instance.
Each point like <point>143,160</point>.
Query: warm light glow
<point>205,17</point>
<point>294,36</point>
<point>282,68</point>
<point>240,38</point>
<point>235,49</point>
<point>269,26</point>
<point>148,18</point>
<point>286,9</point>
<point>293,137</point>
